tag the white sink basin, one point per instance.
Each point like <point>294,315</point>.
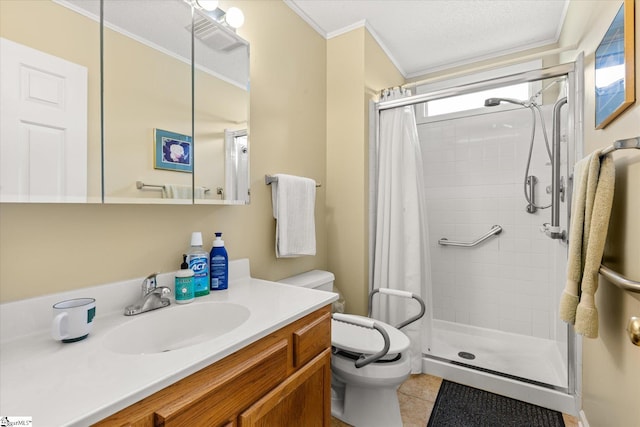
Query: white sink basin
<point>175,327</point>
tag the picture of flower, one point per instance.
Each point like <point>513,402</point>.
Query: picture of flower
<point>173,151</point>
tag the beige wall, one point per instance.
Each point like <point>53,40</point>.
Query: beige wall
<point>51,248</point>
<point>611,364</point>
<point>346,167</point>
<point>357,69</point>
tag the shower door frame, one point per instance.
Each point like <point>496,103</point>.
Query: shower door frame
<point>575,119</point>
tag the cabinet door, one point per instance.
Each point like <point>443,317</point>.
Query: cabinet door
<point>304,399</point>
<point>215,401</point>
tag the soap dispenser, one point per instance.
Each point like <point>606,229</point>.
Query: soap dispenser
<point>184,283</point>
<point>219,264</point>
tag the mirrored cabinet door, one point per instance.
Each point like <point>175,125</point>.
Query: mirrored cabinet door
<point>171,126</point>
<point>148,144</point>
<point>50,148</point>
<point>221,113</point>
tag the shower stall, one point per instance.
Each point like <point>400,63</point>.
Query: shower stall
<point>497,181</point>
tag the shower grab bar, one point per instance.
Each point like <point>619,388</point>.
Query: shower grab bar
<point>554,231</point>
<point>619,280</point>
<point>495,230</point>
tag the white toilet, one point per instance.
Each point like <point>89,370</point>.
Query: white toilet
<point>362,396</point>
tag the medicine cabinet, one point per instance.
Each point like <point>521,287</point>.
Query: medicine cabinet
<point>165,107</point>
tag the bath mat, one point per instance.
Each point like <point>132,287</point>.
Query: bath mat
<point>460,406</point>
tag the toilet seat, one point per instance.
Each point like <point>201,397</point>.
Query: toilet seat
<point>361,340</point>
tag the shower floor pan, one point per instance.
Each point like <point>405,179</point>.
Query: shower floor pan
<point>531,359</point>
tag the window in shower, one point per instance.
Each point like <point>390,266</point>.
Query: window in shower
<point>474,101</point>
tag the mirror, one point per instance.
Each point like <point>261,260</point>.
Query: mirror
<point>221,104</point>
<point>170,124</point>
<point>50,147</point>
<point>166,64</point>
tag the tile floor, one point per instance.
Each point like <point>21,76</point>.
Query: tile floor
<point>417,396</point>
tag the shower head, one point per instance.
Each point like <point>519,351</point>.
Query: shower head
<point>492,102</point>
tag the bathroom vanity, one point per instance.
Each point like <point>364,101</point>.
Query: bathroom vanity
<point>269,364</point>
<point>283,379</point>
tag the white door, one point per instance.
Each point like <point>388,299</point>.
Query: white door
<point>236,165</point>
<point>43,131</point>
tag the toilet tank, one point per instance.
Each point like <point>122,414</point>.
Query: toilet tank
<point>314,279</point>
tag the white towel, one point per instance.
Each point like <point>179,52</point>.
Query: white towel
<point>199,192</point>
<point>175,191</point>
<point>294,200</point>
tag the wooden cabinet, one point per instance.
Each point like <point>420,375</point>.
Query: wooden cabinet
<point>283,379</point>
<point>298,401</point>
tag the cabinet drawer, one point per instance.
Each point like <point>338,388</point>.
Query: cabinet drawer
<point>216,401</point>
<point>311,339</point>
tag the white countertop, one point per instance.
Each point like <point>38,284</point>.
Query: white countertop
<point>81,383</point>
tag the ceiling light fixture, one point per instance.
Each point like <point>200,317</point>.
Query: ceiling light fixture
<point>208,5</point>
<point>233,18</point>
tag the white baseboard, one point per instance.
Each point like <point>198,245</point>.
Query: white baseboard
<point>582,421</point>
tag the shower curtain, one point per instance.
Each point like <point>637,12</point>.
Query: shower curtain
<point>400,256</point>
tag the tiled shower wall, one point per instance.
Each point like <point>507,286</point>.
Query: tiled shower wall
<point>474,172</point>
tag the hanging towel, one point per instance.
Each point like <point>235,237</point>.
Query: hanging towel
<point>594,180</point>
<point>293,200</point>
<point>199,192</point>
<point>175,191</point>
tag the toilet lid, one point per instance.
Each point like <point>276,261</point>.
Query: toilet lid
<point>359,339</point>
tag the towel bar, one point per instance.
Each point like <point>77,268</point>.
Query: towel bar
<point>619,280</point>
<point>622,144</point>
<point>611,275</point>
<point>140,185</point>
<point>495,230</point>
<point>268,179</point>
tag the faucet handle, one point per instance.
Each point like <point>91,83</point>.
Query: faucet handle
<point>149,283</point>
<point>164,291</point>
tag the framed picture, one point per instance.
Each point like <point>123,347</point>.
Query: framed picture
<point>173,151</point>
<point>615,68</point>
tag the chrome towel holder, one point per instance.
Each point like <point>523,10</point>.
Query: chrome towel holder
<point>611,275</point>
<point>141,185</point>
<point>268,179</point>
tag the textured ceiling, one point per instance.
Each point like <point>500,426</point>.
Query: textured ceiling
<point>422,36</point>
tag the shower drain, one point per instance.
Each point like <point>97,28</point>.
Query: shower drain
<point>466,355</point>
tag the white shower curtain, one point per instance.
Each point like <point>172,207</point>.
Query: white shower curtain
<point>401,258</point>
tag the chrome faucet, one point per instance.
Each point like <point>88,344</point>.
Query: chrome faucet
<point>153,297</point>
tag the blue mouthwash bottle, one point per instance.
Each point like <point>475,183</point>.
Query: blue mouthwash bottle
<point>219,265</point>
<point>198,260</point>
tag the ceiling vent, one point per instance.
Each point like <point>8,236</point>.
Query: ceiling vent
<point>212,34</point>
